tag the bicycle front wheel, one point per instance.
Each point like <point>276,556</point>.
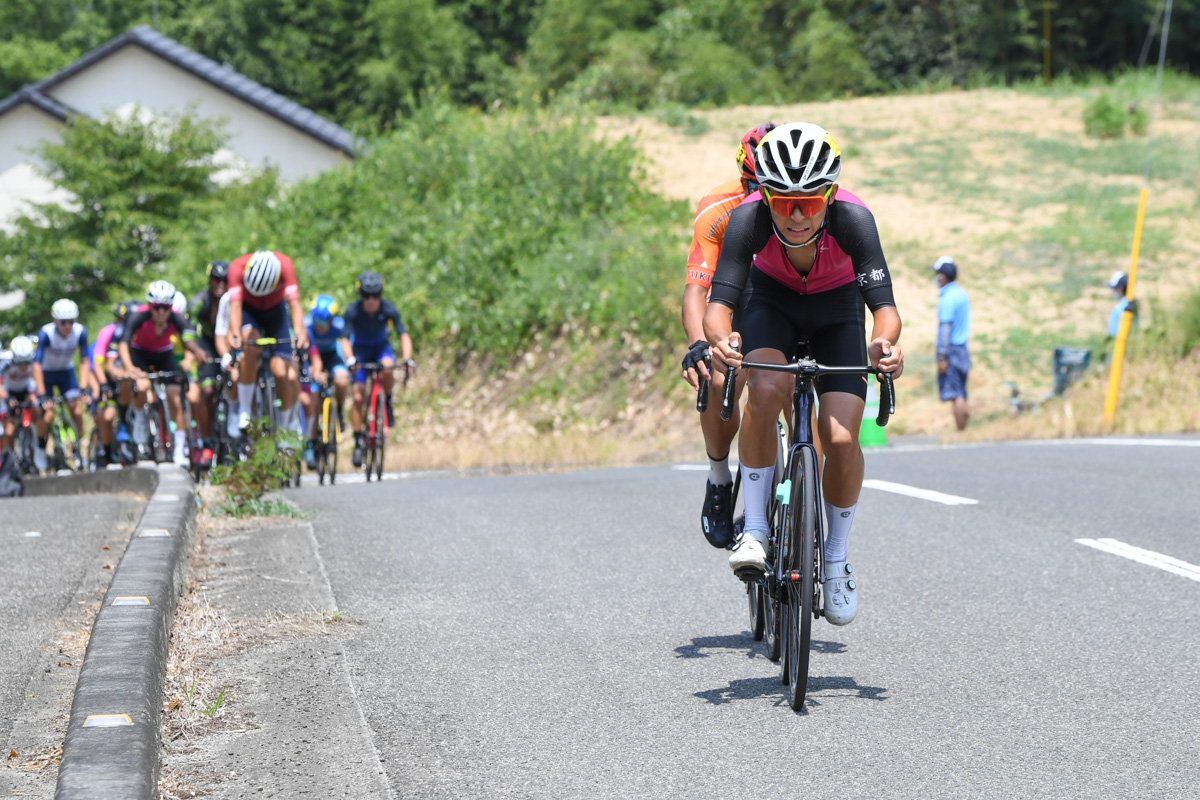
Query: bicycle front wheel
<point>801,575</point>
<point>380,433</point>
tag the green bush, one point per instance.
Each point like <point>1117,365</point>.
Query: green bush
<point>487,229</point>
<point>1187,323</point>
<point>269,465</point>
<point>1104,118</point>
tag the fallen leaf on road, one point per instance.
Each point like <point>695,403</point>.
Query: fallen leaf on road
<point>12,753</point>
<point>64,663</point>
<point>104,548</point>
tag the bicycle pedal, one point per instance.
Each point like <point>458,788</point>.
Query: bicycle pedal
<point>749,574</point>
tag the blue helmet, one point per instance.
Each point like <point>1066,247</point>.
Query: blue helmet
<point>323,309</point>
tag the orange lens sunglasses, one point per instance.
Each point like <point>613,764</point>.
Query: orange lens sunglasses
<point>809,205</point>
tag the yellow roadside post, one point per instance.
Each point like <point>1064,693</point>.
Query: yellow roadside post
<point>1114,375</point>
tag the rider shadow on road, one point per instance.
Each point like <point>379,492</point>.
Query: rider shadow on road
<point>819,687</point>
<point>744,642</point>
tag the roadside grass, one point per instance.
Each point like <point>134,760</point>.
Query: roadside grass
<point>199,699</point>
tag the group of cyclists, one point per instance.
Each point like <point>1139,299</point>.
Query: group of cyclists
<point>782,254</point>
<point>212,343</point>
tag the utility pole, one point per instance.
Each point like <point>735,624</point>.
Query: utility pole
<point>1046,41</point>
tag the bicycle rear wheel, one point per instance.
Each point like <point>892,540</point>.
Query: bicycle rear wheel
<point>801,576</point>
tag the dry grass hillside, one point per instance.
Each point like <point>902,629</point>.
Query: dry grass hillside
<point>1036,213</point>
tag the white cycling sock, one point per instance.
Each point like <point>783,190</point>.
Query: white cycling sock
<point>756,487</point>
<point>718,471</point>
<point>838,522</point>
<point>245,396</point>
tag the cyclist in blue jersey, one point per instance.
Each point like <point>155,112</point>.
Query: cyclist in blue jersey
<point>368,321</point>
<point>327,347</point>
<point>54,368</point>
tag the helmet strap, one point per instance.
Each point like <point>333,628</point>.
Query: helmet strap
<point>811,240</point>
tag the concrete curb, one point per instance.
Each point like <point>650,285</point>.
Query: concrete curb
<point>113,745</point>
<point>139,480</point>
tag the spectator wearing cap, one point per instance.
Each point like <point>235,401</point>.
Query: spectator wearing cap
<point>1119,284</point>
<point>954,326</point>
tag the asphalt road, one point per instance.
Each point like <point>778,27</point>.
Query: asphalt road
<point>52,575</point>
<point>572,635</point>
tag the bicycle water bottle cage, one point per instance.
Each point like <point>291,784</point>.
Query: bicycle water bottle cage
<point>783,492</point>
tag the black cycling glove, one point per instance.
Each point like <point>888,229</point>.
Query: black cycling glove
<point>695,354</point>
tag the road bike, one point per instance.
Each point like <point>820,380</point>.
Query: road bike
<point>68,443</point>
<point>376,421</point>
<point>789,594</point>
<point>266,410</point>
<point>325,438</point>
<point>158,415</point>
<point>25,439</point>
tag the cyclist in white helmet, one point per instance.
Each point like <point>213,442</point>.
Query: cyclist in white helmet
<point>264,302</point>
<point>16,386</point>
<point>54,367</point>
<point>146,346</point>
<point>800,258</point>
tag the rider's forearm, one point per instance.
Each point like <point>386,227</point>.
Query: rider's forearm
<point>39,379</point>
<point>405,346</point>
<point>886,324</point>
<point>718,322</point>
<point>695,299</point>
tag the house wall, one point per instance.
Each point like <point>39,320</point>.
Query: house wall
<point>20,130</point>
<point>133,74</point>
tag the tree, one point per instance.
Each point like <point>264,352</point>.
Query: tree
<point>132,182</point>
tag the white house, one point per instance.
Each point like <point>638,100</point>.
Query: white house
<point>145,69</point>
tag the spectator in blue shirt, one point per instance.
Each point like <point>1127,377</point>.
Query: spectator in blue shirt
<point>1119,284</point>
<point>954,326</point>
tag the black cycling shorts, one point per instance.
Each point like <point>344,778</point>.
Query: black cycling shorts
<point>157,362</point>
<point>777,317</point>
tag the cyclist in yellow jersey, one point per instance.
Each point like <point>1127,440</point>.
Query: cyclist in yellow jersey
<point>712,215</point>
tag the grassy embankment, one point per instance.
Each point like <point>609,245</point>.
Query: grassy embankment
<point>541,273</point>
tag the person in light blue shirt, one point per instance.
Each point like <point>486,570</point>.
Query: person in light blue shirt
<point>954,328</point>
<point>1119,284</point>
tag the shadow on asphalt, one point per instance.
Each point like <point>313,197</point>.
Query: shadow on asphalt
<point>819,687</point>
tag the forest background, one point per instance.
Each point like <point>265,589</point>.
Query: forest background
<point>515,187</point>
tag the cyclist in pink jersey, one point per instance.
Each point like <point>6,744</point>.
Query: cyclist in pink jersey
<point>799,260</point>
<point>146,347</point>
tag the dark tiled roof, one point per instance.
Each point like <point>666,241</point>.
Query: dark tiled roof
<point>219,75</point>
<point>35,98</point>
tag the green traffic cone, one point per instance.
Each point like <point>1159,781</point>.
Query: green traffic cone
<point>870,434</point>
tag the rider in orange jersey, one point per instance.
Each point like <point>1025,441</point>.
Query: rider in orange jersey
<point>712,215</point>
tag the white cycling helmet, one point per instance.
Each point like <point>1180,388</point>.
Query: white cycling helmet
<point>160,293</point>
<point>262,273</point>
<point>179,302</point>
<point>22,350</point>
<point>64,309</point>
<point>797,157</point>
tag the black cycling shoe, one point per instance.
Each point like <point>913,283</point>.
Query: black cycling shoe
<point>716,520</point>
<point>360,444</point>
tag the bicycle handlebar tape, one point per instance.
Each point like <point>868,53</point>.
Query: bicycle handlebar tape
<point>727,396</point>
<point>702,391</point>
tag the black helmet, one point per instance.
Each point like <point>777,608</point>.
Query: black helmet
<point>121,310</point>
<point>218,270</point>
<point>370,283</point>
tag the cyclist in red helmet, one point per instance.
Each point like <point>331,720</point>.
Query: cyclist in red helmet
<point>712,215</point>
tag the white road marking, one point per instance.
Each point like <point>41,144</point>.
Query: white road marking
<point>922,494</point>
<point>1129,442</point>
<point>1147,557</point>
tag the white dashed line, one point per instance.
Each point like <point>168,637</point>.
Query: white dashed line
<point>921,494</point>
<point>1147,557</point>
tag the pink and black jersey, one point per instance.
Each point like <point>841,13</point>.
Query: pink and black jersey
<point>139,331</point>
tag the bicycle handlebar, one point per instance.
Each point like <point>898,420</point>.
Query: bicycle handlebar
<point>811,369</point>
